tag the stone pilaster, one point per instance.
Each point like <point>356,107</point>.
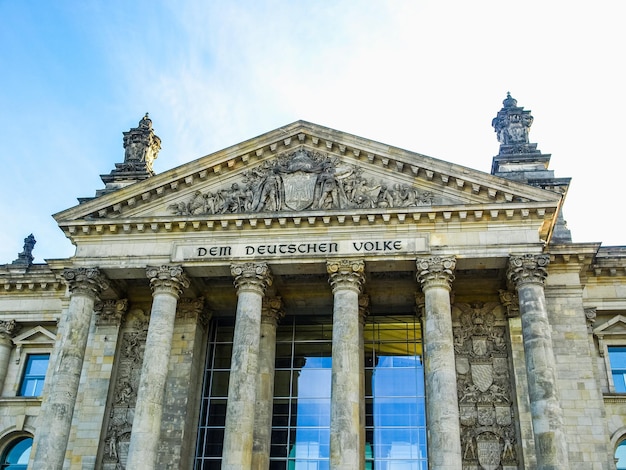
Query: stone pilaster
<point>6,346</point>
<point>528,274</point>
<point>271,312</point>
<point>347,278</point>
<point>55,419</point>
<point>87,425</point>
<point>251,282</point>
<point>167,283</point>
<point>435,275</point>
<point>364,304</point>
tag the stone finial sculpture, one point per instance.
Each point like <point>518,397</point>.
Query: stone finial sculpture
<point>512,125</point>
<point>141,146</point>
<point>25,258</point>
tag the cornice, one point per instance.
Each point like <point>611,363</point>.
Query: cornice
<point>537,212</point>
<point>294,136</point>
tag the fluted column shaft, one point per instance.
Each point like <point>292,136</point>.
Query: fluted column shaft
<point>435,275</point>
<point>528,273</point>
<point>55,419</point>
<point>271,313</point>
<point>6,346</point>
<point>346,280</point>
<point>251,281</point>
<point>167,283</point>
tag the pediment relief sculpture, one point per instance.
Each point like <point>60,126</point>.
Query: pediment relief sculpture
<point>300,181</point>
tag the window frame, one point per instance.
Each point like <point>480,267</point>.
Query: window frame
<point>25,376</point>
<point>611,333</point>
<point>10,443</point>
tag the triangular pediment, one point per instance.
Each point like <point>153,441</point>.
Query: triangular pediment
<point>616,326</point>
<point>306,170</point>
<point>35,336</point>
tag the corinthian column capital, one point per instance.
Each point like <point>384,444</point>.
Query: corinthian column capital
<point>167,279</point>
<point>346,274</point>
<point>7,328</point>
<point>111,312</point>
<point>252,276</point>
<point>436,271</point>
<point>528,269</point>
<point>272,310</point>
<point>86,281</point>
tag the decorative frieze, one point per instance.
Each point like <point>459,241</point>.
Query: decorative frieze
<point>303,180</point>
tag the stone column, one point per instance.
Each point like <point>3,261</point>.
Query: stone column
<point>270,314</point>
<point>435,275</point>
<point>346,280</point>
<point>167,283</point>
<point>55,418</point>
<point>528,274</point>
<point>251,281</point>
<point>6,346</point>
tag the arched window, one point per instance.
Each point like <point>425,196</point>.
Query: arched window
<point>16,455</point>
<point>620,455</point>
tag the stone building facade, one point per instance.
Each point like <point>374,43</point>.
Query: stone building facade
<point>313,299</point>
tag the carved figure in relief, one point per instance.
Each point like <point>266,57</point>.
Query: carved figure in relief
<point>300,181</point>
<point>469,450</point>
<point>124,394</point>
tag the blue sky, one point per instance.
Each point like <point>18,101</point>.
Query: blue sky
<point>427,76</point>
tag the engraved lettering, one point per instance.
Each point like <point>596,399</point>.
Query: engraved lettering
<point>201,251</point>
<point>249,250</point>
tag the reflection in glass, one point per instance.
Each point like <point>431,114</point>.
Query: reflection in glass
<point>395,425</point>
<point>17,455</point>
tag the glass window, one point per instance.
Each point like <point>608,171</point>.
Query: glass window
<point>17,455</point>
<point>394,397</point>
<point>617,358</point>
<point>620,456</point>
<point>34,375</point>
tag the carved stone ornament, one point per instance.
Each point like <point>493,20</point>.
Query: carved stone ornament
<point>124,396</point>
<point>252,276</point>
<point>87,281</point>
<point>346,274</point>
<point>436,271</point>
<point>364,307</point>
<point>191,309</point>
<point>512,127</point>
<point>25,258</point>
<point>7,329</point>
<point>484,386</point>
<point>510,300</point>
<point>167,279</point>
<point>300,181</point>
<point>590,316</point>
<point>110,312</point>
<point>528,269</point>
<point>420,304</point>
<point>141,147</point>
<point>272,310</point>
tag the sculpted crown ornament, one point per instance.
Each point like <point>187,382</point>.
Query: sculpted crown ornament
<point>7,328</point>
<point>299,181</point>
<point>436,271</point>
<point>141,147</point>
<point>528,269</point>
